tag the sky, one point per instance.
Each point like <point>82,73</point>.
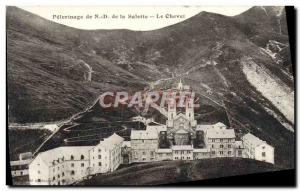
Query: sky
<point>157,16</point>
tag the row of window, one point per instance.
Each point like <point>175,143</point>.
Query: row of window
<point>222,140</point>
<point>183,158</point>
<point>221,152</point>
<point>144,153</point>
<point>183,152</point>
<point>81,157</point>
<point>221,146</point>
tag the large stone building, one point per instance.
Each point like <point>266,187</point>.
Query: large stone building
<point>181,138</point>
<point>60,166</point>
<point>257,149</point>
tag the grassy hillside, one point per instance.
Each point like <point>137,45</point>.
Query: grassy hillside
<point>25,140</point>
<point>167,172</point>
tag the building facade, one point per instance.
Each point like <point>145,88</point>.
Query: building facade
<point>257,149</point>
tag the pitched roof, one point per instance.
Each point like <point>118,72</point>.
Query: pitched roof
<point>239,144</point>
<point>164,150</point>
<point>220,133</point>
<point>253,140</point>
<point>204,127</point>
<point>112,141</point>
<point>62,152</point>
<point>204,150</point>
<point>157,128</point>
<point>219,125</point>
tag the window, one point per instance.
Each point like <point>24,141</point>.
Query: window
<point>221,152</point>
<point>99,164</point>
<point>58,176</point>
<point>263,147</point>
<point>39,172</point>
<point>229,152</point>
<point>144,158</point>
<point>152,153</point>
<point>72,157</point>
<point>240,153</point>
<point>263,154</point>
<point>99,150</point>
<point>213,152</point>
<point>82,164</point>
<point>182,152</point>
<point>176,152</point>
<point>212,146</point>
<point>63,174</point>
<point>53,178</point>
<point>99,156</point>
<point>221,146</point>
<point>229,146</point>
<point>39,180</point>
<point>144,153</point>
<point>82,157</point>
<point>72,172</point>
<point>213,140</point>
<point>72,164</point>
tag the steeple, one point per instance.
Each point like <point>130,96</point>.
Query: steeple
<point>180,85</point>
<point>171,111</point>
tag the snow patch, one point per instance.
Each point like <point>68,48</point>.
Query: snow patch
<point>281,96</point>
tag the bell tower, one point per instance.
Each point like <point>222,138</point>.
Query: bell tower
<point>189,111</point>
<point>171,111</point>
<point>180,85</point>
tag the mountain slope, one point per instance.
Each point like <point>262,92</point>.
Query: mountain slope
<point>54,71</point>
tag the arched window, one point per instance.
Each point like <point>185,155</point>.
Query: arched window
<point>82,157</point>
<point>72,157</point>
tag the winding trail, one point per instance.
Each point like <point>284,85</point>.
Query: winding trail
<point>82,138</point>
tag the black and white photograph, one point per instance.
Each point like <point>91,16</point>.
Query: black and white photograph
<point>149,95</point>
